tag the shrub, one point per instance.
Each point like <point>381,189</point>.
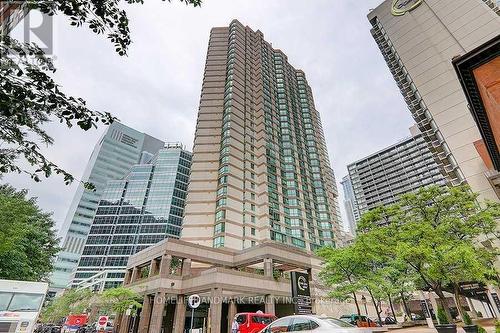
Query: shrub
<point>441,317</point>
<point>481,329</point>
<point>466,319</point>
<point>497,326</point>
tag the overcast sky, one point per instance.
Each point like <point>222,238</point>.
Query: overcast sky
<point>156,89</point>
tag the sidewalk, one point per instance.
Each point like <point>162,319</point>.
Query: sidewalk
<point>425,329</point>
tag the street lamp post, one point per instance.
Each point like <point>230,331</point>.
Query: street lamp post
<point>363,300</point>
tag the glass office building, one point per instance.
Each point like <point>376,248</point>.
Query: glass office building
<point>351,209</point>
<point>116,152</point>
<point>142,209</point>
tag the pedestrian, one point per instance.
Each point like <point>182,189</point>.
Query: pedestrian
<point>235,326</point>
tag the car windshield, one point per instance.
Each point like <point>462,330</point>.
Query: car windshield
<point>337,322</point>
<point>20,302</point>
<point>4,300</point>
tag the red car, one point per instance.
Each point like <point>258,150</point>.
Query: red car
<point>253,322</point>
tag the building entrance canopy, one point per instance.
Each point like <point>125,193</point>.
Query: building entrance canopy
<point>227,281</point>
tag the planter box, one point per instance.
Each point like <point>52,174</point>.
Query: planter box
<point>449,328</point>
<point>471,329</point>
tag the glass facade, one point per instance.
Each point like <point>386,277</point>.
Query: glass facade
<point>350,205</point>
<point>142,209</point>
<point>116,152</point>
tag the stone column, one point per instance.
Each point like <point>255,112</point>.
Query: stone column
<point>314,306</point>
<point>215,310</point>
<point>128,276</point>
<point>157,313</point>
<point>179,315</point>
<point>145,315</point>
<point>153,268</point>
<point>165,262</point>
<point>186,267</point>
<point>269,306</point>
<point>124,324</point>
<point>230,314</point>
<point>135,274</point>
<point>268,267</point>
<point>312,290</point>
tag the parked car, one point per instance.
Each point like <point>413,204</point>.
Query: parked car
<point>312,323</point>
<point>359,321</point>
<point>253,322</point>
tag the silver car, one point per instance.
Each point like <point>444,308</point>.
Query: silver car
<point>313,324</point>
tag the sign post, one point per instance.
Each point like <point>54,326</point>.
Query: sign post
<point>301,293</point>
<point>193,302</point>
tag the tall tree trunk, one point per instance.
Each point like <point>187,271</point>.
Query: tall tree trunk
<point>405,305</point>
<point>376,306</point>
<point>456,289</point>
<point>356,302</point>
<point>444,304</point>
<point>392,307</point>
<point>117,322</point>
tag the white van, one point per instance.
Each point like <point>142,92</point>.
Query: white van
<point>20,305</point>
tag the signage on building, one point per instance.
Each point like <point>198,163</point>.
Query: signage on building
<point>301,293</point>
<point>400,7</point>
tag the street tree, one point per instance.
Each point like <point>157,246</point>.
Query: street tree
<point>28,244</point>
<point>463,262</point>
<point>342,271</point>
<point>29,97</point>
<point>118,300</point>
<point>428,229</point>
<point>83,301</point>
<point>72,301</point>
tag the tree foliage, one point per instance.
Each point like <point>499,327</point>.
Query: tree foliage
<point>342,272</point>
<point>73,301</point>
<point>28,244</point>
<point>79,301</point>
<point>428,240</point>
<point>118,300</point>
<point>29,97</point>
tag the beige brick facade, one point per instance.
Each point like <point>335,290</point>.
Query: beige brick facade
<point>419,47</point>
<point>260,166</point>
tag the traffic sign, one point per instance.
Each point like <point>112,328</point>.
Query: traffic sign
<point>194,301</point>
<point>103,320</point>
